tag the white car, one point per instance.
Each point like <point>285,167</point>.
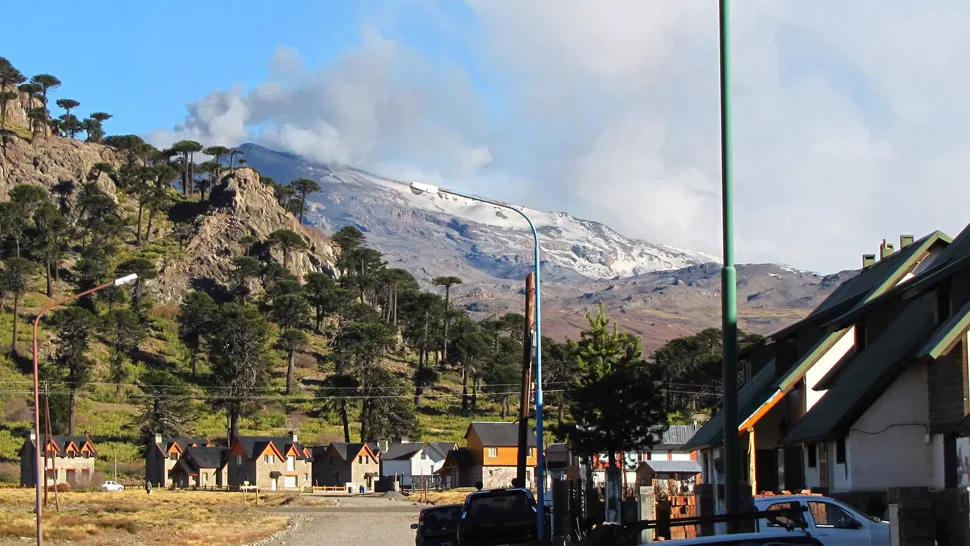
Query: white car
<point>830,521</point>
<point>112,486</point>
<point>767,538</point>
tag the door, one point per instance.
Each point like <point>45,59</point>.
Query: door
<point>836,525</point>
<point>272,484</point>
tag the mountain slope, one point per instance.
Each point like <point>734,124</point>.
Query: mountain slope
<point>656,290</point>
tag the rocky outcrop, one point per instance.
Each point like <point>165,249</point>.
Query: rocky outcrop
<point>242,208</point>
<point>51,161</point>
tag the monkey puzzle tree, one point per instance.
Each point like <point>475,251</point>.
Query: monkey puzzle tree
<point>123,331</point>
<point>304,187</point>
<point>188,149</point>
<point>9,77</point>
<point>17,275</point>
<point>196,317</point>
<point>70,363</point>
<point>447,282</point>
<point>288,241</point>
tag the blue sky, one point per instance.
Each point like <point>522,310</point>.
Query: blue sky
<point>849,117</point>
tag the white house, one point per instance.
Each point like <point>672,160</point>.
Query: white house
<point>408,462</point>
<point>785,371</point>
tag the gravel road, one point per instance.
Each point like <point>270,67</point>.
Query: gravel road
<point>354,521</point>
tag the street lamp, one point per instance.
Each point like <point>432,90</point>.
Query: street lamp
<point>127,279</point>
<point>419,188</point>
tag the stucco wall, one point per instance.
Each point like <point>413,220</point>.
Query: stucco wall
<point>888,444</point>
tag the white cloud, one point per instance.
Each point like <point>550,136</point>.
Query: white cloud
<point>849,118</point>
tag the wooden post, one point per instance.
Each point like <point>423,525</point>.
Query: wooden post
<point>530,324</point>
<point>752,462</point>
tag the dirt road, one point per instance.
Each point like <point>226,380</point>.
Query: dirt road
<point>354,521</point>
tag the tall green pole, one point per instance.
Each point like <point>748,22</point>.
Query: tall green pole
<point>729,304</point>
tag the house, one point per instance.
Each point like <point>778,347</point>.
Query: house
<point>669,476</point>
<point>493,450</point>
<point>270,463</point>
<point>69,459</point>
<point>892,415</point>
<point>346,465</point>
<point>459,469</point>
<point>162,454</point>
<point>201,467</point>
<point>783,370</point>
<point>408,462</point>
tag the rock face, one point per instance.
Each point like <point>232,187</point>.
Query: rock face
<point>50,161</point>
<point>241,207</point>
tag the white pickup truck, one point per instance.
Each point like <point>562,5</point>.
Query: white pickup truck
<point>830,521</point>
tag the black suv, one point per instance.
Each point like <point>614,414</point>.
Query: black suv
<point>438,526</point>
<point>498,516</point>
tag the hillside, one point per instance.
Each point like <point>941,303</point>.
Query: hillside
<point>655,290</point>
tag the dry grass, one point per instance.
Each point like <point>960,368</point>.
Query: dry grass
<point>187,517</point>
<point>451,496</point>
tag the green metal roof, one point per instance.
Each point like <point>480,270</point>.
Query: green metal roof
<point>751,395</point>
<point>947,335</point>
<point>805,363</point>
<point>829,379</point>
<point>889,290</point>
<point>868,375</point>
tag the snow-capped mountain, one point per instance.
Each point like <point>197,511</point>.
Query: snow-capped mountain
<point>492,239</point>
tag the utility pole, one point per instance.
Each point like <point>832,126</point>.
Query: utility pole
<point>527,345</point>
<point>729,304</point>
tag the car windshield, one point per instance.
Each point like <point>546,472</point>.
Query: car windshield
<point>441,518</point>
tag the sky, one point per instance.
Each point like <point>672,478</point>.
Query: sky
<point>849,119</point>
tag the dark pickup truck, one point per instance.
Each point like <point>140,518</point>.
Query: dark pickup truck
<point>498,517</point>
<point>438,526</point>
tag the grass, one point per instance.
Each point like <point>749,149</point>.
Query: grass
<point>184,517</point>
<point>451,496</point>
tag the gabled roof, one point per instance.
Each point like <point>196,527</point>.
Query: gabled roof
<point>937,271</point>
<point>868,375</point>
<point>61,442</point>
<point>854,293</point>
<point>182,443</point>
<point>461,458</point>
<point>497,434</point>
<point>348,452</point>
<point>207,457</point>
<point>947,335</point>
<point>750,396</point>
<point>255,445</point>
<point>443,447</point>
<point>675,437</point>
<point>400,452</point>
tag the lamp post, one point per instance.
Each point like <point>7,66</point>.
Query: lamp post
<point>729,304</point>
<point>127,279</point>
<point>419,189</point>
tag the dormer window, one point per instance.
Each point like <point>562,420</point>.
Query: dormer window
<point>860,336</point>
<point>943,309</point>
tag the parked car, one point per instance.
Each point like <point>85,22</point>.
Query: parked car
<point>830,521</point>
<point>766,538</point>
<point>498,517</point>
<point>438,526</point>
<point>112,486</point>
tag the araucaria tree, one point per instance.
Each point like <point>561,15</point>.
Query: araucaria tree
<point>123,331</point>
<point>614,401</point>
<point>71,364</point>
<point>304,187</point>
<point>447,282</point>
<point>196,315</point>
<point>188,149</point>
<point>237,355</point>
<point>17,275</point>
<point>288,241</point>
<point>10,78</point>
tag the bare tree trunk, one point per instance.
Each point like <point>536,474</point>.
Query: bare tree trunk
<point>141,211</point>
<point>344,418</point>
<point>194,359</point>
<point>289,372</point>
<point>148,231</point>
<point>50,284</point>
<point>464,389</point>
<point>72,411</point>
<point>16,317</point>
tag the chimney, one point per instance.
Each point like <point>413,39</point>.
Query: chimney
<point>158,439</point>
<point>293,436</point>
<point>885,250</point>
<point>868,260</point>
<point>383,446</point>
<point>32,435</point>
<point>905,241</point>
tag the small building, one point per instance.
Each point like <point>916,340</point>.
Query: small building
<point>69,459</point>
<point>162,455</point>
<point>459,469</point>
<point>494,448</point>
<point>412,462</point>
<point>201,467</point>
<point>669,477</point>
<point>270,463</point>
<point>349,465</point>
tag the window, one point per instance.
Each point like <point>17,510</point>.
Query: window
<point>860,336</point>
<point>173,456</point>
<point>333,460</point>
<point>424,455</point>
<point>532,452</point>
<point>238,460</point>
<point>812,455</point>
<point>781,520</point>
<point>831,516</point>
<point>360,459</point>
<point>205,478</point>
<point>269,459</point>
<point>840,451</point>
<point>492,452</point>
<point>291,463</point>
